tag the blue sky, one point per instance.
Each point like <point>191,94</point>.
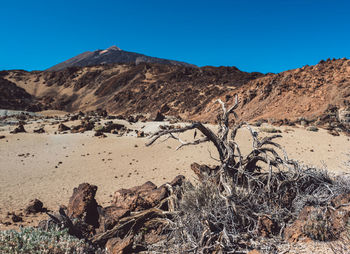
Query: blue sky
<point>265,36</point>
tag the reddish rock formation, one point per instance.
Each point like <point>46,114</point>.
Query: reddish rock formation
<point>83,205</point>
<point>140,197</point>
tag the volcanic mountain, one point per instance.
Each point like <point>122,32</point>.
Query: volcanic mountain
<point>319,92</point>
<point>112,55</point>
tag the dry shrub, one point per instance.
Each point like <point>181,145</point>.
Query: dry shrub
<point>235,204</point>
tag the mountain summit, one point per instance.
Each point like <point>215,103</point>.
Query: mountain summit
<point>112,55</point>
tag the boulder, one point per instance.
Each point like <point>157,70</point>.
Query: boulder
<point>333,132</point>
<point>84,126</point>
<point>140,134</point>
<point>134,198</point>
<point>40,130</point>
<point>34,206</point>
<point>158,117</point>
<point>83,205</point>
<point>109,216</point>
<point>63,127</point>
<point>16,218</point>
<point>119,246</point>
<point>177,181</point>
<point>110,126</point>
<point>145,196</point>
<point>18,129</point>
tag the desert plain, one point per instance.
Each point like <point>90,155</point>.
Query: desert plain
<point>49,165</point>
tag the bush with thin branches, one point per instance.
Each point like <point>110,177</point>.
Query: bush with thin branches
<point>232,204</point>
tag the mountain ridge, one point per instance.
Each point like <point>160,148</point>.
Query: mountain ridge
<point>310,92</point>
<point>112,55</point>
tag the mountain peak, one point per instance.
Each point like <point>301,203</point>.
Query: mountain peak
<point>112,55</point>
<point>113,48</point>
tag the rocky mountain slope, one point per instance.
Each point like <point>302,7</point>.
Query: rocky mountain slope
<point>130,88</point>
<point>309,92</point>
<point>14,97</point>
<point>112,55</point>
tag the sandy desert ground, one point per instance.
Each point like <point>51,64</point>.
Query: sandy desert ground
<point>48,166</point>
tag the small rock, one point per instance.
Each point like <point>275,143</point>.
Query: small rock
<point>19,129</point>
<point>333,132</point>
<point>159,117</point>
<point>140,134</point>
<point>40,130</point>
<point>63,127</point>
<point>34,206</point>
<point>312,128</point>
<point>16,218</point>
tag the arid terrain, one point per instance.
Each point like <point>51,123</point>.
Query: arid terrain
<point>310,92</point>
<point>92,123</point>
<point>49,165</point>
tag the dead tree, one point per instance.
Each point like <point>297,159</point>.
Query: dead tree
<point>232,163</point>
<point>239,196</point>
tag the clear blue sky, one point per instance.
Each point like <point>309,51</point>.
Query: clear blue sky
<point>265,36</point>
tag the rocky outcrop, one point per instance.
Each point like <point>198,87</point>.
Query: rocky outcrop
<point>135,219</point>
<point>16,98</point>
<point>140,197</point>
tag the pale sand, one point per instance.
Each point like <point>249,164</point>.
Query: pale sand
<point>121,162</point>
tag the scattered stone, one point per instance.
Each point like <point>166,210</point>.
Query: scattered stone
<point>34,206</point>
<point>63,127</point>
<point>158,118</point>
<point>140,134</point>
<point>18,129</point>
<point>312,128</point>
<point>15,218</point>
<point>2,137</point>
<point>100,134</point>
<point>84,126</point>
<point>40,130</point>
<point>333,132</point>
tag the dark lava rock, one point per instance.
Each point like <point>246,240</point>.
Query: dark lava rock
<point>34,206</point>
<point>40,130</point>
<point>18,129</point>
<point>16,218</point>
<point>83,205</point>
<point>63,127</point>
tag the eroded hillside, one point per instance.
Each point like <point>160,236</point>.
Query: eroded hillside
<point>189,92</point>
